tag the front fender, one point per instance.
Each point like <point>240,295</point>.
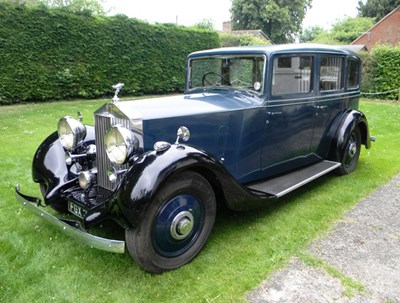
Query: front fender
<point>49,167</point>
<point>151,171</point>
<point>145,177</point>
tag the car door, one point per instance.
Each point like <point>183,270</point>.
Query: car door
<point>289,114</point>
<point>330,100</point>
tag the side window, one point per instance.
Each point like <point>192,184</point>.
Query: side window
<point>331,73</point>
<point>352,74</point>
<point>292,75</point>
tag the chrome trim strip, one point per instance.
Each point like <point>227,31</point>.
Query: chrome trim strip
<point>314,97</point>
<point>316,176</point>
<point>33,204</point>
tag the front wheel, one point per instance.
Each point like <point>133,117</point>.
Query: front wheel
<point>350,154</point>
<point>176,224</point>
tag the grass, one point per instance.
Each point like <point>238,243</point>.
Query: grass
<point>351,286</point>
<point>40,264</point>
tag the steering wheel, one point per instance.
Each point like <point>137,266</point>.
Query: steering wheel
<point>204,80</point>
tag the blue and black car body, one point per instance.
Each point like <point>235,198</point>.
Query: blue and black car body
<point>254,124</point>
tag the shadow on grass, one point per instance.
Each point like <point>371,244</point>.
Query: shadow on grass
<point>228,224</point>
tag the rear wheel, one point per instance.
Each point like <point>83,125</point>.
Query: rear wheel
<point>351,153</point>
<point>176,224</point>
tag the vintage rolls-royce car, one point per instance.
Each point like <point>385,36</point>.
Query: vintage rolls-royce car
<point>254,124</point>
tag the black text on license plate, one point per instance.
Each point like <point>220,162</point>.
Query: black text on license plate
<point>76,209</point>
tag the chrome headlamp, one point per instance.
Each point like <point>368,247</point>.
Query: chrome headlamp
<point>86,179</point>
<point>120,144</point>
<point>71,132</point>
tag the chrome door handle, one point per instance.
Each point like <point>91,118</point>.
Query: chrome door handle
<point>274,113</point>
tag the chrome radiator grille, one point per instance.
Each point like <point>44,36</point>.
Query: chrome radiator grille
<point>102,125</point>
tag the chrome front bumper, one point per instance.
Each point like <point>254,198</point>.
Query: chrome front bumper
<point>33,204</point>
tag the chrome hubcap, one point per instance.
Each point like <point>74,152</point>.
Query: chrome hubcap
<point>182,225</point>
<point>352,149</point>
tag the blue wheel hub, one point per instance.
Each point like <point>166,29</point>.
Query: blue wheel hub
<point>178,225</point>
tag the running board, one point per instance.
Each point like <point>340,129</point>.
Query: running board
<point>285,184</point>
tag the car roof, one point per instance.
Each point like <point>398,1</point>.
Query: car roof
<point>276,49</point>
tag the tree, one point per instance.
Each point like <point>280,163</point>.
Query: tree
<point>23,2</point>
<point>229,39</point>
<point>205,24</point>
<point>309,34</point>
<point>93,6</point>
<point>349,29</point>
<point>376,8</point>
<point>279,19</point>
<point>343,31</point>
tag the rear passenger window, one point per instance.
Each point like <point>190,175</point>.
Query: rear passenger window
<point>331,73</point>
<point>352,74</point>
<point>292,75</point>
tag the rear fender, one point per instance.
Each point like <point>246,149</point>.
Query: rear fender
<point>347,122</point>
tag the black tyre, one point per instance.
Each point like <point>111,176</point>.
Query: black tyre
<point>350,154</point>
<point>176,224</point>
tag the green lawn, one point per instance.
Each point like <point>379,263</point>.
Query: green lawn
<point>40,264</point>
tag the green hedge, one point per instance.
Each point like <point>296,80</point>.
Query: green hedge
<point>381,72</point>
<point>49,54</point>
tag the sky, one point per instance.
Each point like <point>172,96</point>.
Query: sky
<point>190,12</point>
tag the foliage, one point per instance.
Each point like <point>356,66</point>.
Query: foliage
<point>381,71</point>
<point>349,29</point>
<point>280,20</point>
<point>309,34</point>
<point>376,9</point>
<point>228,39</point>
<point>93,6</point>
<point>325,37</point>
<point>205,24</point>
<point>343,31</point>
<point>21,2</point>
<point>52,54</point>
<point>75,6</point>
<point>40,264</point>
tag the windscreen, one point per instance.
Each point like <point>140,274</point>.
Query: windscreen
<point>231,72</point>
